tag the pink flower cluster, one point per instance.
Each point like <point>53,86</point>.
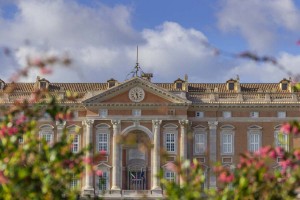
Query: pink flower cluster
<point>288,128</point>
<point>5,130</point>
<point>224,174</point>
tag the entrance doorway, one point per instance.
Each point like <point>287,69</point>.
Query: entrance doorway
<point>137,180</point>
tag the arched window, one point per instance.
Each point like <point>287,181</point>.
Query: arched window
<point>73,132</point>
<point>200,140</point>
<point>170,138</point>
<point>46,133</point>
<point>103,138</point>
<point>254,138</point>
<point>227,140</point>
<point>281,139</point>
<point>102,180</point>
<point>169,173</point>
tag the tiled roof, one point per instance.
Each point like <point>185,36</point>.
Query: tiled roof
<point>197,92</point>
<point>55,87</point>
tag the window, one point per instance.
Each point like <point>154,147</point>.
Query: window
<point>75,183</point>
<point>46,133</point>
<point>281,114</point>
<point>171,112</point>
<point>102,142</point>
<point>103,113</point>
<point>75,143</point>
<point>170,137</point>
<point>103,181</point>
<point>226,114</point>
<point>43,85</point>
<point>75,114</point>
<point>111,84</point>
<point>227,143</point>
<point>136,112</point>
<point>21,140</point>
<point>281,139</point>
<point>170,142</point>
<point>170,176</point>
<point>200,143</point>
<point>73,132</point>
<point>231,86</point>
<point>199,114</point>
<point>227,139</point>
<point>284,86</point>
<point>254,114</point>
<point>254,138</point>
<point>179,85</point>
<point>102,138</point>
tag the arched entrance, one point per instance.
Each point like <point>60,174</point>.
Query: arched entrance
<point>136,161</point>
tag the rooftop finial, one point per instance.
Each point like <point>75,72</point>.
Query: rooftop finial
<point>137,71</point>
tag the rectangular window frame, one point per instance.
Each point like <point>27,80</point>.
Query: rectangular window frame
<point>227,114</point>
<point>254,114</point>
<point>200,142</point>
<point>199,114</point>
<point>136,112</point>
<point>281,114</point>
<point>227,142</point>
<point>103,113</point>
<point>285,137</point>
<point>253,144</point>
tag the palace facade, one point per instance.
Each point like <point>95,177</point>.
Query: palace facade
<point>211,122</point>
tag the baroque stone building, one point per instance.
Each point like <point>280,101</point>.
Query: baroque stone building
<point>211,122</point>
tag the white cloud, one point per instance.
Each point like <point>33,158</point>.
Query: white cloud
<point>102,43</point>
<point>259,21</point>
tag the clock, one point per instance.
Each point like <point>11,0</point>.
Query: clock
<point>136,94</point>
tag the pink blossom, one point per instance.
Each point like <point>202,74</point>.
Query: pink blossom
<point>99,172</point>
<point>279,151</point>
<point>87,160</point>
<point>285,164</point>
<point>21,120</point>
<point>286,128</point>
<point>225,177</point>
<point>12,131</point>
<point>102,152</point>
<point>272,154</point>
<point>297,154</point>
<point>3,179</point>
<point>171,166</point>
<point>295,130</point>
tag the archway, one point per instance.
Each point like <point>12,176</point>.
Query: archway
<point>136,161</point>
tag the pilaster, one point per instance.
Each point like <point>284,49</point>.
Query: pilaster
<point>212,151</point>
<point>60,128</point>
<point>116,161</point>
<point>156,154</point>
<point>183,142</point>
<point>88,188</point>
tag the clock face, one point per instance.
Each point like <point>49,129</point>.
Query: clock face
<point>136,94</point>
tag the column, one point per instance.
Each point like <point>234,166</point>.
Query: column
<point>212,151</point>
<point>88,188</point>
<point>183,139</point>
<point>183,143</point>
<point>60,129</point>
<point>116,162</point>
<point>156,154</point>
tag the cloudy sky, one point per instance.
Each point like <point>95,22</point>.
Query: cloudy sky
<point>101,38</point>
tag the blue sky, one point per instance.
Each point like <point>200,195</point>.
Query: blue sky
<point>101,37</point>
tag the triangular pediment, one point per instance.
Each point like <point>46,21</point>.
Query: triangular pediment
<point>120,94</point>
